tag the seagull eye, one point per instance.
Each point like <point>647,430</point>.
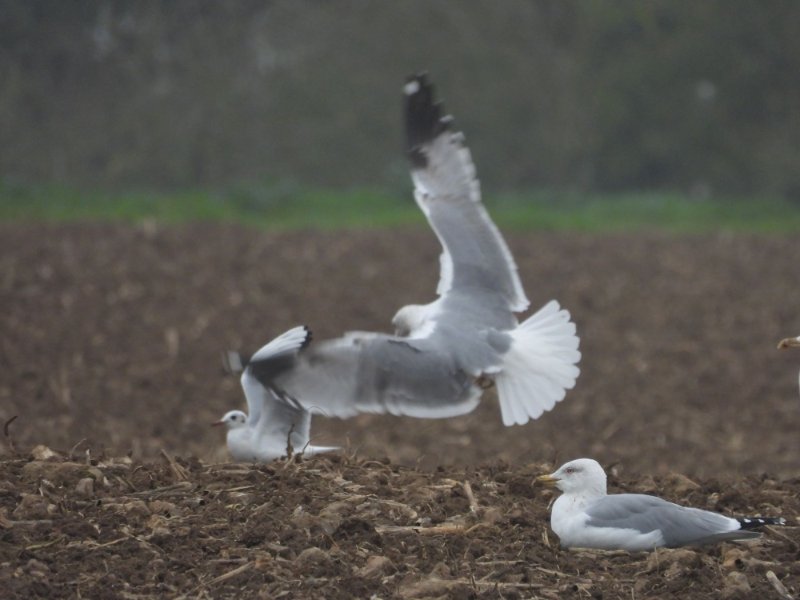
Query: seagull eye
<point>570,470</point>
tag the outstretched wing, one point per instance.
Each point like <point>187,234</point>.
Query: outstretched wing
<point>376,373</point>
<point>477,269</point>
<point>278,420</point>
<point>275,356</point>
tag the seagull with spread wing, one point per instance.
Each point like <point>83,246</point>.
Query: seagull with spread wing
<point>445,353</point>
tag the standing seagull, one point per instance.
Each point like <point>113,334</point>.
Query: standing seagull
<point>273,425</point>
<point>584,516</point>
<point>446,352</point>
<point>790,343</point>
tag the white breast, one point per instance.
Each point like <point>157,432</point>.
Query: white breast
<point>244,446</point>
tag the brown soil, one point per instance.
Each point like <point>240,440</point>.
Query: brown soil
<point>110,345</point>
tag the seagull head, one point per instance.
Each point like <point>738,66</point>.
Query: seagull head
<point>409,319</point>
<point>233,419</point>
<point>580,476</point>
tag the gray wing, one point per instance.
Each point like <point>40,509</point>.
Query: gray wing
<point>478,272</point>
<point>679,525</point>
<point>275,356</point>
<point>378,373</point>
<point>275,417</point>
<point>254,392</point>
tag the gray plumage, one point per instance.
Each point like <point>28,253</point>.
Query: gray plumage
<point>679,525</point>
<point>585,516</point>
<point>432,367</point>
<point>275,426</point>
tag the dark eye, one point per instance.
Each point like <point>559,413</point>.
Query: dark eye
<point>570,470</point>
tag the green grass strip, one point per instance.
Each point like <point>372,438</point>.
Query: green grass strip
<point>286,206</point>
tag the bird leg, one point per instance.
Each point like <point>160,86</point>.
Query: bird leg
<point>289,447</point>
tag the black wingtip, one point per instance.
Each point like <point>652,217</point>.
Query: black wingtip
<point>309,337</point>
<point>754,522</point>
<point>424,119</point>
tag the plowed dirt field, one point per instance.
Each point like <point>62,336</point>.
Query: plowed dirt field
<point>110,354</point>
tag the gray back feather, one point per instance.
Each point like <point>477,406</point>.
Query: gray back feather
<point>380,374</point>
<point>680,526</point>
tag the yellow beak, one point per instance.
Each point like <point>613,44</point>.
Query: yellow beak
<point>789,343</point>
<point>547,480</point>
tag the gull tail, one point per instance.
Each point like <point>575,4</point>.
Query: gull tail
<point>540,365</point>
<point>744,531</point>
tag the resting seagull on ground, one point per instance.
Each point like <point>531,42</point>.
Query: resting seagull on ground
<point>790,343</point>
<point>584,516</point>
<point>444,353</point>
<point>274,424</point>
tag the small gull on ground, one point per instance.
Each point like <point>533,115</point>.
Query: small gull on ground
<point>273,425</point>
<point>585,516</point>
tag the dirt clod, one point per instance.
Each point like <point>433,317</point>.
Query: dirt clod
<point>33,506</point>
<point>736,585</point>
<point>115,486</point>
<point>376,566</point>
<point>85,487</point>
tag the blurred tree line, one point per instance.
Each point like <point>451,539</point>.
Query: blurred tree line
<point>577,94</point>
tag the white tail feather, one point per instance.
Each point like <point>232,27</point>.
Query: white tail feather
<point>286,343</point>
<point>540,365</point>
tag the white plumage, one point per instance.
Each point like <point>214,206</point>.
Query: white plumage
<point>585,516</point>
<point>445,351</point>
<point>274,426</point>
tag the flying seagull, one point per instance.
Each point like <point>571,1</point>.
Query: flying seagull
<point>275,426</point>
<point>584,516</point>
<point>445,353</point>
<point>790,343</point>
